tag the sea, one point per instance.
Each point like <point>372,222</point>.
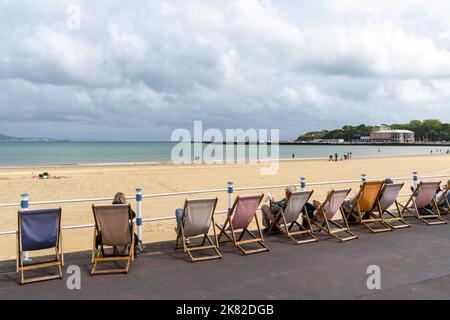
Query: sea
<point>22,154</point>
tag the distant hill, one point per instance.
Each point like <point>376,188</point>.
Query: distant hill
<point>5,138</point>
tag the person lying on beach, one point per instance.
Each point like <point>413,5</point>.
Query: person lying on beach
<point>347,204</point>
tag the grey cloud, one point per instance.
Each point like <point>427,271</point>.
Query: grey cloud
<point>139,71</point>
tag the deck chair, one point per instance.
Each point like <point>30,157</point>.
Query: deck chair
<point>327,211</point>
<point>242,213</point>
<point>288,215</point>
<point>422,196</point>
<point>112,229</point>
<point>388,199</point>
<point>443,203</point>
<point>198,216</point>
<point>39,230</point>
<point>364,204</point>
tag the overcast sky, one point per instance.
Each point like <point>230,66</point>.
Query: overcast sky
<point>137,70</point>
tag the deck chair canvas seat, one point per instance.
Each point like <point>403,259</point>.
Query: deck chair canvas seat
<point>198,216</point>
<point>326,213</point>
<point>288,216</point>
<point>112,229</point>
<point>241,215</point>
<point>422,197</point>
<point>364,204</point>
<point>39,230</point>
<point>389,207</point>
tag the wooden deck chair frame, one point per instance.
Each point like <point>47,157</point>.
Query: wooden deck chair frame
<point>411,208</point>
<point>443,203</point>
<point>58,260</point>
<point>332,227</point>
<point>99,256</point>
<point>286,229</point>
<point>396,216</point>
<point>356,212</point>
<point>188,249</point>
<point>237,241</point>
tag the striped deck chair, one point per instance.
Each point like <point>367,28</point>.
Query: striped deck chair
<point>388,200</point>
<point>39,230</point>
<point>239,218</point>
<point>197,218</point>
<point>443,203</point>
<point>363,205</point>
<point>423,196</point>
<point>287,218</point>
<point>326,213</point>
<point>112,229</point>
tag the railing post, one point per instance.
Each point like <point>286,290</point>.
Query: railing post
<point>363,177</point>
<point>24,203</point>
<point>302,183</point>
<point>415,179</point>
<point>139,213</point>
<point>230,190</point>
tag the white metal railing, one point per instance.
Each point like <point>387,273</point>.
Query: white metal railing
<point>25,203</point>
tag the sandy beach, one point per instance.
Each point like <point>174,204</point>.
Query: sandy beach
<point>74,182</point>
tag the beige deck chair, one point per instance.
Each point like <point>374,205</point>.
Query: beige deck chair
<point>364,203</point>
<point>39,230</point>
<point>388,202</point>
<point>422,196</point>
<point>326,213</point>
<point>443,203</point>
<point>288,216</point>
<point>198,216</point>
<point>241,215</point>
<point>112,226</point>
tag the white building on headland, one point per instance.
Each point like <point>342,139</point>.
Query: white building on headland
<point>384,134</point>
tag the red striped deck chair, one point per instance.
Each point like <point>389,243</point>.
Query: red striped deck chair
<point>241,215</point>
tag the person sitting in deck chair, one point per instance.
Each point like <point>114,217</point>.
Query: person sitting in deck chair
<point>347,202</point>
<point>120,198</point>
<point>269,212</point>
<point>180,221</point>
<point>443,201</point>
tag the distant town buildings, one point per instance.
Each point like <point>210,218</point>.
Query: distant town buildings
<point>384,134</point>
